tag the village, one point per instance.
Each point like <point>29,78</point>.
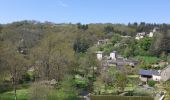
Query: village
<point>85,50</point>
<point>148,80</point>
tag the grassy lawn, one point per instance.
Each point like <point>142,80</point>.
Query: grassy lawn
<point>148,59</point>
<point>133,76</point>
<point>21,94</point>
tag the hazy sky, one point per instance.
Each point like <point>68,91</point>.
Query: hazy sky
<point>86,11</point>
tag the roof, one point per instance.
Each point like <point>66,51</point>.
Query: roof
<point>113,51</point>
<point>149,72</point>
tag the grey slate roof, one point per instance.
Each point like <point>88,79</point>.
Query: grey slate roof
<point>148,72</point>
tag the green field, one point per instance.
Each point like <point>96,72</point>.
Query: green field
<point>21,95</point>
<point>148,59</point>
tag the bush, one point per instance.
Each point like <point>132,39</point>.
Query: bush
<point>81,83</point>
<point>40,92</point>
<point>151,83</point>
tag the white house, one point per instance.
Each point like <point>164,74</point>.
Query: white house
<point>155,29</point>
<point>151,34</point>
<point>140,35</point>
<point>113,55</point>
<point>157,76</point>
<point>99,55</point>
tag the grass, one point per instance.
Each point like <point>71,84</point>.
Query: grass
<point>21,95</point>
<point>133,76</point>
<point>148,59</point>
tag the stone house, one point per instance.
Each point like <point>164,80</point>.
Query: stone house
<point>146,75</point>
<point>156,75</point>
<point>165,73</point>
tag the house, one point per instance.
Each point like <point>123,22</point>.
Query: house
<point>165,73</point>
<point>99,55</point>
<point>113,55</point>
<point>155,29</point>
<point>146,75</point>
<point>101,42</point>
<point>140,35</point>
<point>132,63</point>
<point>114,59</point>
<point>151,34</point>
<point>156,75</point>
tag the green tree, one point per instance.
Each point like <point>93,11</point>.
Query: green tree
<point>115,39</point>
<point>108,29</point>
<point>55,57</point>
<point>121,81</point>
<point>81,44</point>
<point>161,43</point>
<point>82,27</point>
<point>16,65</point>
<point>145,43</point>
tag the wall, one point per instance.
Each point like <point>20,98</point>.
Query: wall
<point>156,78</point>
<point>99,56</point>
<point>165,74</point>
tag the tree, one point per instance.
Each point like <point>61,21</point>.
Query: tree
<point>115,39</point>
<point>40,91</point>
<point>81,44</point>
<point>145,43</point>
<point>16,65</point>
<point>128,52</point>
<point>161,43</point>
<point>82,27</point>
<point>55,57</point>
<point>108,29</point>
<point>121,81</point>
<point>93,65</point>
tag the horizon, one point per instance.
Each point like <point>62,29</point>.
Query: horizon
<point>81,23</point>
<point>86,12</point>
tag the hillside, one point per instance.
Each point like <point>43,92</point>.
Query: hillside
<point>58,61</point>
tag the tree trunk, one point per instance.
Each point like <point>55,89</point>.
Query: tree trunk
<point>14,85</point>
<point>15,92</point>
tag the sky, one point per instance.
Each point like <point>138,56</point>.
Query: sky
<point>86,11</point>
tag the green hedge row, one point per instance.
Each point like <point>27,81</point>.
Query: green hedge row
<point>111,97</point>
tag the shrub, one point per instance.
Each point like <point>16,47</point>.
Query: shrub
<point>151,83</point>
<point>40,92</point>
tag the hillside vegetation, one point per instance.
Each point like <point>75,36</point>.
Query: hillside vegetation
<point>58,61</point>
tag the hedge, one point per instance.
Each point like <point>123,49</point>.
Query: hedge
<point>111,97</point>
